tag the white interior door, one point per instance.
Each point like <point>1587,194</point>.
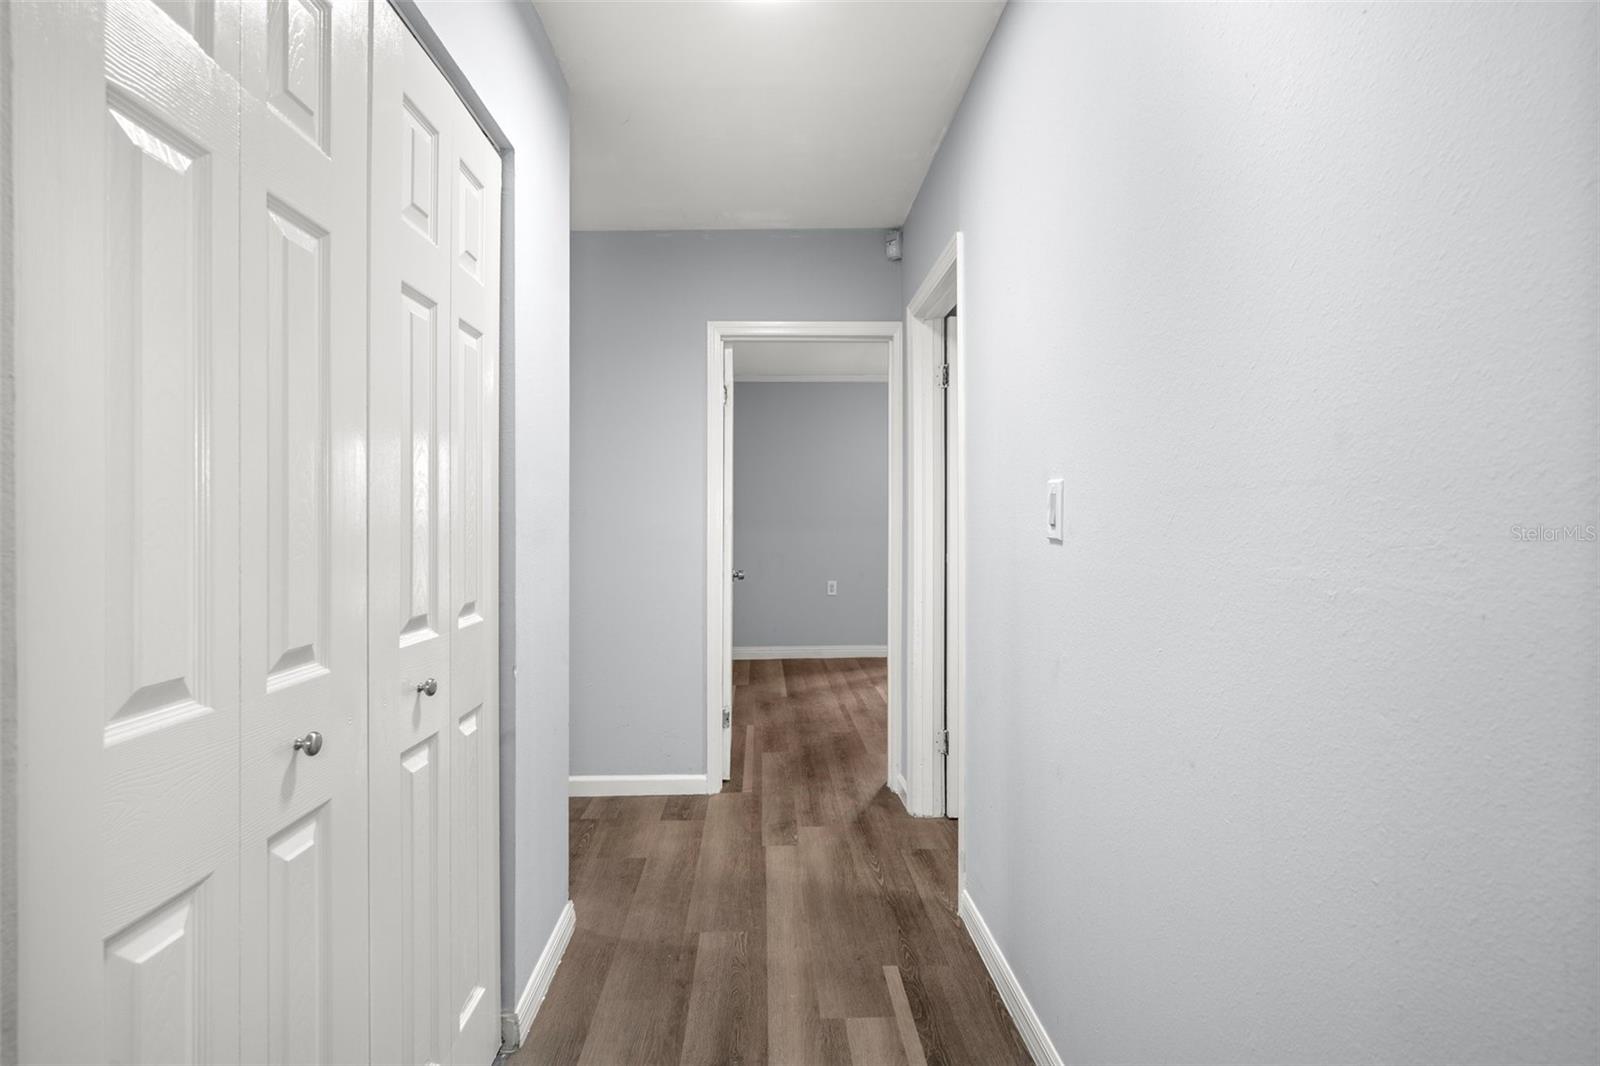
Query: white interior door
<point>303,565</point>
<point>727,554</point>
<point>434,441</point>
<point>127,150</point>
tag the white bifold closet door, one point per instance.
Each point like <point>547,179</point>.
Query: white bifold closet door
<point>255,447</point>
<point>434,571</point>
<point>192,428</point>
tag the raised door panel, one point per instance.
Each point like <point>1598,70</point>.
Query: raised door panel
<point>467,974</point>
<point>298,587</point>
<point>158,419</point>
<point>300,57</point>
<point>469,387</point>
<point>303,566</point>
<point>419,169</point>
<point>126,135</point>
<point>197,18</point>
<point>212,26</point>
<point>470,233</point>
<point>421,438</point>
<point>300,925</point>
<point>419,932</point>
<point>157,988</point>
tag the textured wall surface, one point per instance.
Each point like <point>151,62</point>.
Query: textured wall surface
<point>640,304</point>
<point>1289,752</point>
<point>504,53</point>
<point>810,504</point>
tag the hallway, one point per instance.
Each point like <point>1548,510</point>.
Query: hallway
<point>800,916</point>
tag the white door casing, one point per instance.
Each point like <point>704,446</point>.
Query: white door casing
<point>728,556</point>
<point>951,688</point>
<point>303,531</point>
<point>433,414</point>
<point>719,494</point>
<point>934,560</point>
<point>127,142</point>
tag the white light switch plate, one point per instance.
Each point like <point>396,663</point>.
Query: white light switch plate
<point>833,588</point>
<point>1055,521</point>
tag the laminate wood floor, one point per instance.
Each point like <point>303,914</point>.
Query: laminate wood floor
<point>798,917</point>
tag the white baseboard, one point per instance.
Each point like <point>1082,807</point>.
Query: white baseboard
<point>538,986</point>
<point>826,651</point>
<point>637,785</point>
<point>899,786</point>
<point>1039,1043</point>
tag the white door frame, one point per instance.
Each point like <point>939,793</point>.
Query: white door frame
<point>935,495</point>
<point>718,336</point>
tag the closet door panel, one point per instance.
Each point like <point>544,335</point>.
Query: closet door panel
<point>410,510</point>
<point>127,148</point>
<point>303,576</point>
<point>474,576</point>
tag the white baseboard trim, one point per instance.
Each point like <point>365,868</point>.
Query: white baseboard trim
<point>538,986</point>
<point>1039,1043</point>
<point>899,786</point>
<point>826,651</point>
<point>637,785</point>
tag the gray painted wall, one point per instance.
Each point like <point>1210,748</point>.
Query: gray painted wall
<point>810,503</point>
<point>640,304</point>
<point>1289,752</point>
<point>505,54</point>
<point>8,576</point>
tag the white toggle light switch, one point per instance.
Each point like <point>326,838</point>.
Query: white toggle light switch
<point>833,588</point>
<point>1054,520</point>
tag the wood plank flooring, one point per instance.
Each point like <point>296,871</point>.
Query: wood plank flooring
<point>798,917</point>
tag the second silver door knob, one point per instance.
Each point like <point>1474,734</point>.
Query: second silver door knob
<point>428,687</point>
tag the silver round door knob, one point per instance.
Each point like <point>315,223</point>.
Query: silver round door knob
<point>738,575</point>
<point>311,743</point>
<point>428,687</point>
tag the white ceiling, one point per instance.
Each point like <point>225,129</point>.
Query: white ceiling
<point>759,114</point>
<point>802,360</point>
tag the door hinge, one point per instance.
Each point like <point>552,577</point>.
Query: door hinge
<point>941,743</point>
<point>942,375</point>
<point>727,717</point>
<point>724,395</point>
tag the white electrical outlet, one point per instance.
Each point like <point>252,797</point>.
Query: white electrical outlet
<point>1054,520</point>
<point>833,588</point>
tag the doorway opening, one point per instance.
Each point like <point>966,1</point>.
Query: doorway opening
<point>753,358</point>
